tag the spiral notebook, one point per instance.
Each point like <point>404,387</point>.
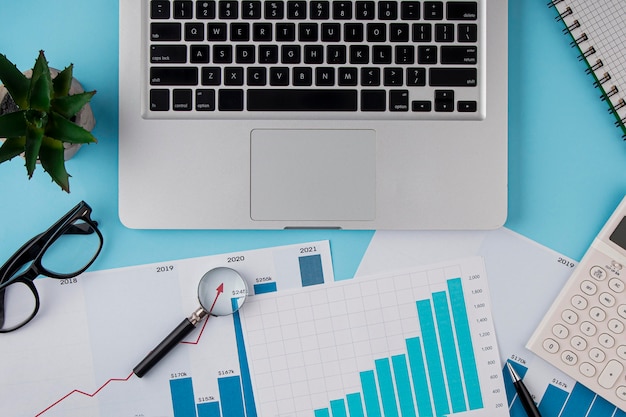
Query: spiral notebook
<point>597,29</point>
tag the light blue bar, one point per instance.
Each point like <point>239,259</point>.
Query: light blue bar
<point>578,402</point>
<point>338,408</point>
<point>552,402</point>
<point>385,383</point>
<point>370,394</point>
<point>322,412</point>
<point>466,348</point>
<point>311,272</point>
<point>183,400</point>
<point>231,397</point>
<point>265,288</point>
<point>433,358</point>
<point>601,408</point>
<point>211,409</point>
<point>448,348</point>
<point>418,374</point>
<point>403,385</point>
<point>355,405</point>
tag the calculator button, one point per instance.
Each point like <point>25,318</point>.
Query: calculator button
<point>597,314</point>
<point>569,316</point>
<point>588,329</point>
<point>598,273</point>
<point>616,285</point>
<point>610,374</point>
<point>616,326</point>
<point>597,355</point>
<point>587,369</point>
<point>578,343</point>
<point>560,331</point>
<point>551,345</point>
<point>607,299</point>
<point>621,351</point>
<point>616,266</point>
<point>569,357</point>
<point>579,302</point>
<point>621,310</point>
<point>621,392</point>
<point>588,287</point>
<point>606,340</point>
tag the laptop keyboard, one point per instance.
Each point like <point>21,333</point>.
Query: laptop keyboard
<point>348,59</point>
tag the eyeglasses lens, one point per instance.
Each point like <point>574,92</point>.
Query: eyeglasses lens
<point>19,305</point>
<point>73,250</point>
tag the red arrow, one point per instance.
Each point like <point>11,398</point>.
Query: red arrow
<point>220,290</point>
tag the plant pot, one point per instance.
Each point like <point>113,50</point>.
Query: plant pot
<point>84,118</point>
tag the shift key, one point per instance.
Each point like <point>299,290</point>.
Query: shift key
<point>453,77</point>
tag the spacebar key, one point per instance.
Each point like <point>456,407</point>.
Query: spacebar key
<point>301,100</point>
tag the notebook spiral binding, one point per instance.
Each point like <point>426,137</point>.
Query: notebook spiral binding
<point>610,93</point>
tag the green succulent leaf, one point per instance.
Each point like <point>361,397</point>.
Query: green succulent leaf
<point>41,85</point>
<point>34,136</point>
<point>51,156</point>
<point>64,130</point>
<point>68,106</point>
<point>13,124</point>
<point>15,82</point>
<point>11,148</point>
<point>63,81</point>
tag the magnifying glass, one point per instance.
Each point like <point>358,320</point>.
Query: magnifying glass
<point>221,292</point>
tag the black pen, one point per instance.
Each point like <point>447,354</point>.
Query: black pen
<point>523,394</point>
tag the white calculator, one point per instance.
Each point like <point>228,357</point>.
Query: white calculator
<point>584,332</point>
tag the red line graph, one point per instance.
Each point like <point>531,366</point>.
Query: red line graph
<point>93,394</point>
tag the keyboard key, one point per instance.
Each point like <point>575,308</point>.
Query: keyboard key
<point>353,32</point>
<point>461,10</point>
<point>160,9</point>
<point>325,76</point>
<point>173,76</point>
<point>467,33</point>
<point>433,10</point>
<point>393,77</point>
<point>373,100</point>
<point>216,32</point>
<point>331,32</point>
<point>410,10</point>
<point>302,100</point>
<point>399,100</point>
<point>467,106</point>
<point>387,10</point>
<point>365,10</point>
<point>205,100</point>
<point>336,54</point>
<point>194,32</point>
<point>347,76</point>
<point>421,106</point>
<point>279,76</point>
<point>239,32</point>
<point>342,10</point>
<point>376,32</point>
<point>199,54</point>
<point>381,54</point>
<point>307,32</point>
<point>359,54</point>
<point>230,100</point>
<point>183,9</point>
<point>302,76</point>
<point>296,10</point>
<point>444,32</point>
<point>251,9</point>
<point>422,32</point>
<point>256,76</point>
<point>320,10</point>
<point>233,76</point>
<point>262,32</point>
<point>405,54</point>
<point>370,77</point>
<point>416,77</point>
<point>399,32</point>
<point>211,76</point>
<point>182,100</point>
<point>159,100</point>
<point>427,55</point>
<point>458,55</point>
<point>228,9</point>
<point>222,54</point>
<point>274,10</point>
<point>244,54</point>
<point>205,10</point>
<point>453,77</point>
<point>314,54</point>
<point>165,31</point>
<point>285,32</point>
<point>290,54</point>
<point>268,54</point>
<point>170,54</point>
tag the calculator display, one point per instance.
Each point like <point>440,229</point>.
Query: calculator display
<point>619,234</point>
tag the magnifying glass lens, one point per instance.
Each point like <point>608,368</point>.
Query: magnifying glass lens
<point>222,291</point>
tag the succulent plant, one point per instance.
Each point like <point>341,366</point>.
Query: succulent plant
<point>42,122</point>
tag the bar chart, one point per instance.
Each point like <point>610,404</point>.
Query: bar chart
<point>419,343</point>
<point>560,397</point>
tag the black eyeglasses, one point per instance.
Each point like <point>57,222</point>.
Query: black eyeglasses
<point>63,251</point>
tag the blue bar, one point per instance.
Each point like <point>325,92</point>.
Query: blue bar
<point>355,405</point>
<point>370,394</point>
<point>385,383</point>
<point>620,413</point>
<point>448,348</point>
<point>338,408</point>
<point>231,397</point>
<point>433,358</point>
<point>265,288</point>
<point>418,373</point>
<point>552,402</point>
<point>403,385</point>
<point>322,412</point>
<point>311,272</point>
<point>211,409</point>
<point>601,408</point>
<point>183,400</point>
<point>244,368</point>
<point>466,348</point>
<point>579,401</point>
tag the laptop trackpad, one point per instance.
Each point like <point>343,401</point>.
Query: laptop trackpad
<point>317,175</point>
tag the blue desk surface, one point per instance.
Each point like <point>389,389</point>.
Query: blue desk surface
<point>567,160</point>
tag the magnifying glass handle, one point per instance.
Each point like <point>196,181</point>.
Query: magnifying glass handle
<point>175,337</point>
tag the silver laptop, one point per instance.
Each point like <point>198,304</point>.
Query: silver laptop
<point>320,114</point>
